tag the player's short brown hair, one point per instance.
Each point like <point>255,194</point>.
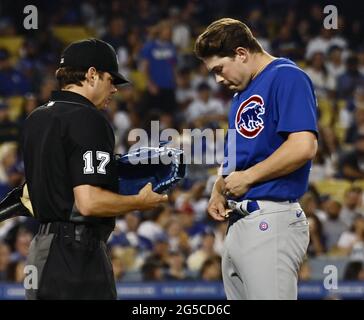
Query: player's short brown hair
<point>223,36</point>
<point>67,75</point>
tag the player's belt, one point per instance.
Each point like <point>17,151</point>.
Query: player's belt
<point>241,210</point>
<point>248,207</point>
<point>244,208</point>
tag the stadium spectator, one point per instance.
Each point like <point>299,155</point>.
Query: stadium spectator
<point>333,227</point>
<point>323,82</point>
<point>177,269</point>
<point>177,237</point>
<point>206,251</point>
<point>351,206</point>
<point>205,111</point>
<point>352,162</point>
<point>326,161</point>
<point>335,65</point>
<point>286,43</point>
<point>354,271</point>
<point>126,234</point>
<point>21,245</point>
<point>350,237</point>
<point>181,32</point>
<point>353,115</point>
<point>4,261</point>
<point>202,75</point>
<point>116,35</point>
<point>158,63</point>
<point>350,79</point>
<point>155,222</point>
<point>184,92</point>
<point>323,42</point>
<point>154,266</point>
<point>310,207</point>
<point>12,82</point>
<point>16,271</point>
<point>211,269</point>
<point>11,173</point>
<point>152,270</point>
<point>125,262</point>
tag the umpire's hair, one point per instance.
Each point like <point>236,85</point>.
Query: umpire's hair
<point>223,36</point>
<point>66,76</point>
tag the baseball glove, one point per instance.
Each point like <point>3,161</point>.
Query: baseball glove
<point>161,166</point>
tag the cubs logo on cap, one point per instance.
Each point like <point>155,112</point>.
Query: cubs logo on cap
<point>248,121</point>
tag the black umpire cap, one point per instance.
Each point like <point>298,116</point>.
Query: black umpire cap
<point>96,53</point>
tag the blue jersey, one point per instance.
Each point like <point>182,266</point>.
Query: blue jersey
<point>280,100</point>
<point>162,58</point>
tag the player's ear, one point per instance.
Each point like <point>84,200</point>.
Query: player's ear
<point>241,53</point>
<point>91,75</point>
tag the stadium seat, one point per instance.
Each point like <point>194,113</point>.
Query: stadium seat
<point>359,183</point>
<point>326,111</point>
<point>15,106</point>
<point>70,33</point>
<point>339,130</point>
<point>333,187</point>
<point>12,44</point>
<point>139,80</point>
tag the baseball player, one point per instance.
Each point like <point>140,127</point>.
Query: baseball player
<point>72,183</point>
<point>273,118</point>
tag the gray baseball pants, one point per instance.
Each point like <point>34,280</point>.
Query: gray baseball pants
<point>263,251</point>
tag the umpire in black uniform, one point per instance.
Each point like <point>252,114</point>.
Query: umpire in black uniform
<point>68,152</point>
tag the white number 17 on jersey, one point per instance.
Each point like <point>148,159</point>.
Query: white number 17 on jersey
<point>103,157</point>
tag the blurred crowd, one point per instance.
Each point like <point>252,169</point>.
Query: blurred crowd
<point>154,43</point>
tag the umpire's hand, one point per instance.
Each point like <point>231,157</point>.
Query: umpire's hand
<point>149,199</point>
<point>216,207</point>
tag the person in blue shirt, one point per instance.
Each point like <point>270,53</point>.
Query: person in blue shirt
<point>271,141</point>
<point>12,82</point>
<point>158,63</point>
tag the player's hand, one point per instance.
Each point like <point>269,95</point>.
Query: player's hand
<point>216,207</point>
<point>236,184</point>
<point>149,199</point>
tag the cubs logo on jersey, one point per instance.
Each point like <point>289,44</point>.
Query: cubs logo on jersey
<point>248,120</point>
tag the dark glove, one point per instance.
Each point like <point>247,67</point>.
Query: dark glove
<point>162,167</point>
<point>16,203</point>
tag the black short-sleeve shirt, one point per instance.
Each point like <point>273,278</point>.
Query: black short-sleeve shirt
<point>67,142</point>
